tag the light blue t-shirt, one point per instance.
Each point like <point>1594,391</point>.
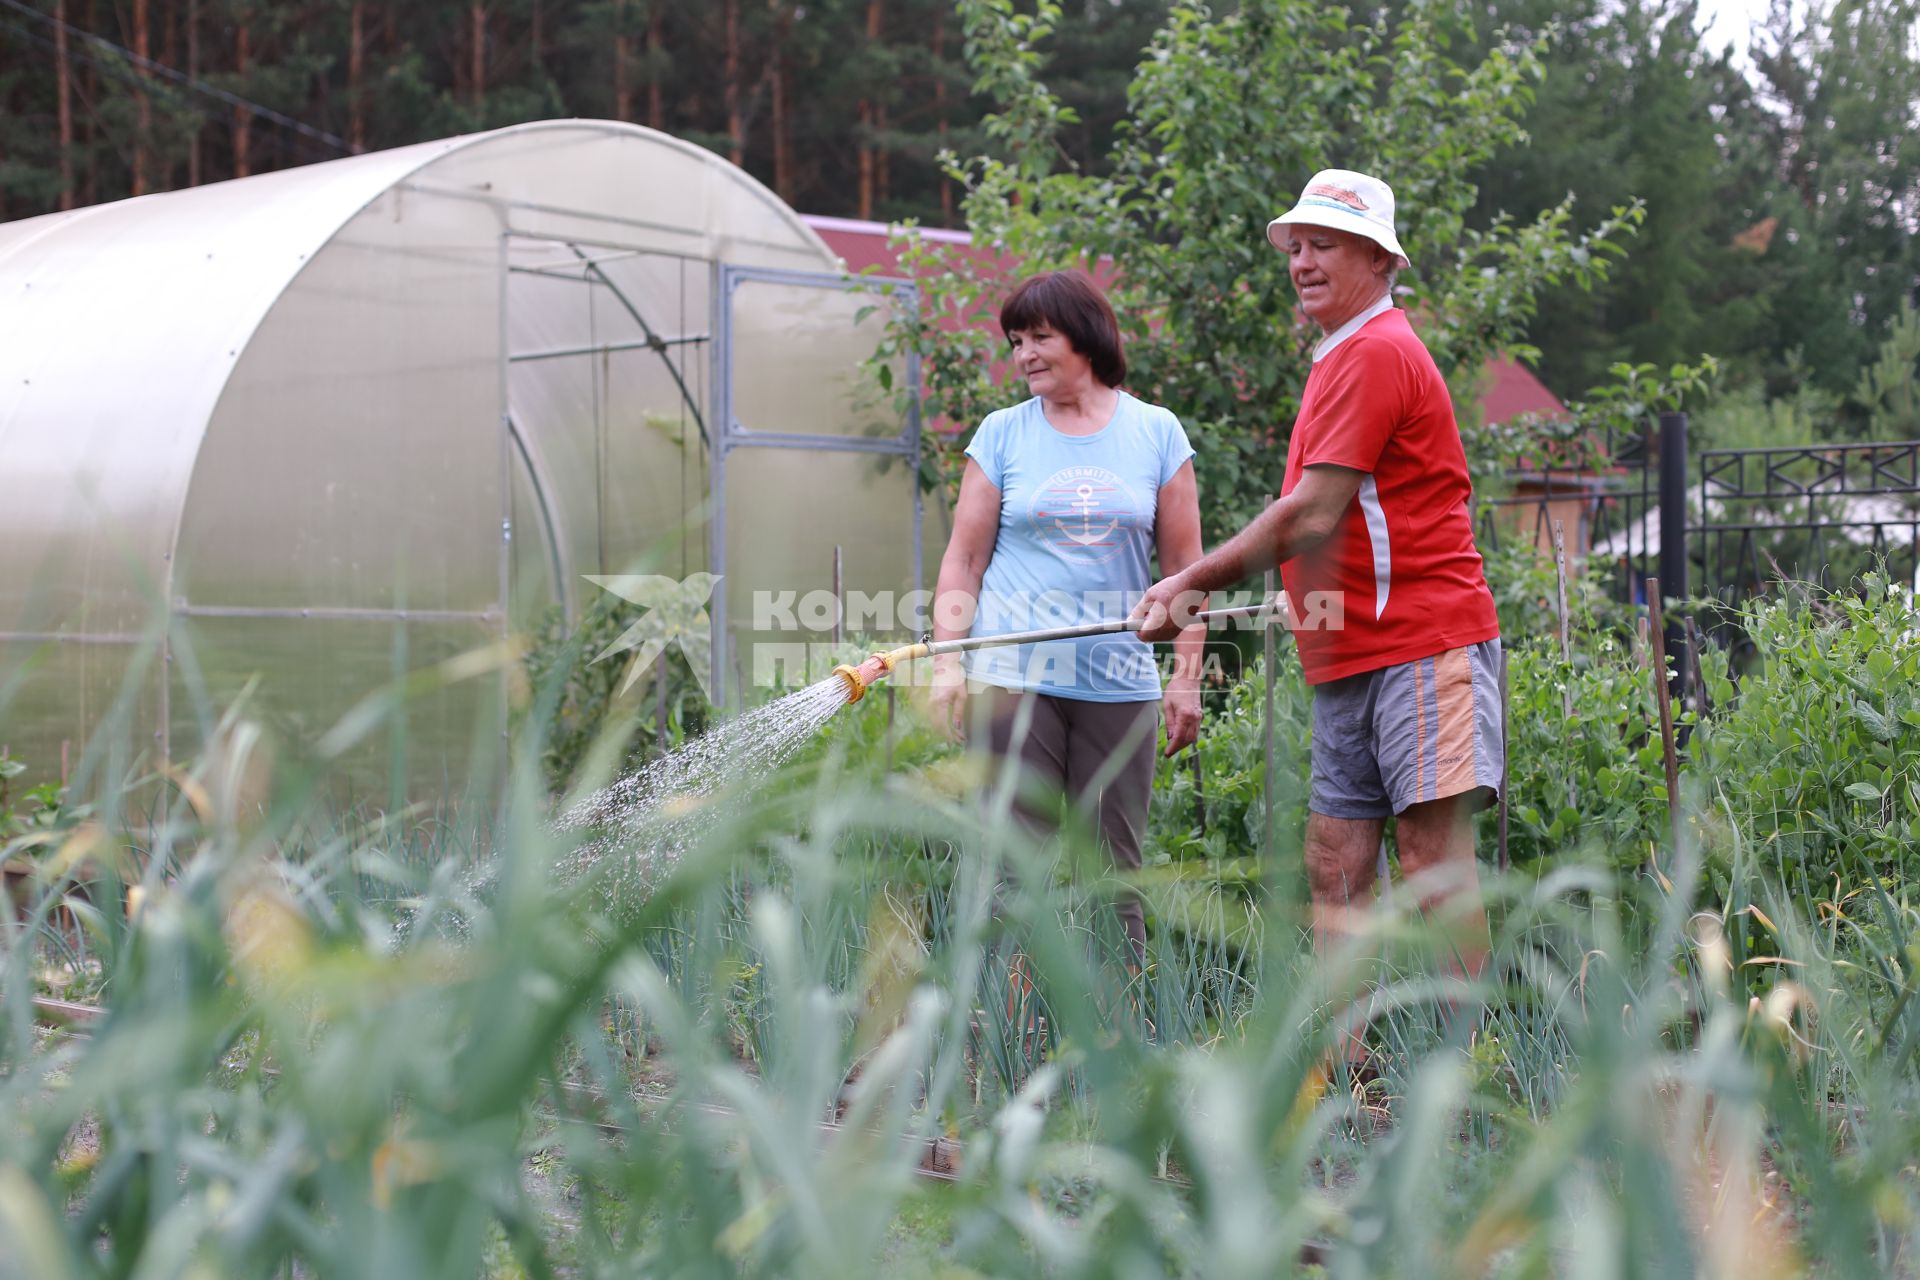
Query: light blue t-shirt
<point>1075,545</point>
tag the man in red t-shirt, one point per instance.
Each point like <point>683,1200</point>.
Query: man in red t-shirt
<point>1372,532</point>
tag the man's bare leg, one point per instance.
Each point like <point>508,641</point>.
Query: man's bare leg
<point>1341,856</point>
<point>1437,859</point>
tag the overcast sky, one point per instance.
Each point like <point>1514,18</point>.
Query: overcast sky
<point>1728,22</point>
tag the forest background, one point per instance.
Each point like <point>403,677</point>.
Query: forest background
<point>1781,190</point>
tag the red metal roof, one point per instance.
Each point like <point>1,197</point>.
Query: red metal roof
<point>1513,390</point>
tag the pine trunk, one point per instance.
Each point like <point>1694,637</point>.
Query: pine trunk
<point>656,92</point>
<point>356,76</point>
<point>193,70</point>
<point>86,87</point>
<point>736,130</point>
<point>169,55</point>
<point>882,159</point>
<point>622,86</point>
<point>869,124</point>
<point>142,106</point>
<point>242,116</point>
<point>63,101</point>
<point>477,48</point>
<point>782,128</point>
<point>940,106</point>
<point>864,193</point>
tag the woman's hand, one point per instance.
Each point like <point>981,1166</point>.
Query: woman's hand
<point>1180,712</point>
<point>947,699</point>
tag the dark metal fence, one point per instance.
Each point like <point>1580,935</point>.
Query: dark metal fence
<point>1821,513</point>
<point>1815,513</point>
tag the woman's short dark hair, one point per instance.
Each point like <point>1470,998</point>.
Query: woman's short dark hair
<point>1072,306</point>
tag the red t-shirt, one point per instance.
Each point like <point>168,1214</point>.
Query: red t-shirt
<point>1401,563</point>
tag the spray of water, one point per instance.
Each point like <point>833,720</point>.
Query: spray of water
<point>644,822</point>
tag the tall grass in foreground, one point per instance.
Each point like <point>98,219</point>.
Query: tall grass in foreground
<point>336,1050</point>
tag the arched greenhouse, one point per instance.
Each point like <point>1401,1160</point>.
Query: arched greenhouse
<point>320,427</point>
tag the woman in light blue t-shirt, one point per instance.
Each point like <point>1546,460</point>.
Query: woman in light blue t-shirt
<point>1065,500</point>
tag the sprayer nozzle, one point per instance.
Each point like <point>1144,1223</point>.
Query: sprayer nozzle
<point>877,666</point>
<point>856,687</point>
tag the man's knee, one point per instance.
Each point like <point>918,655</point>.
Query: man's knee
<point>1339,857</point>
<point>1436,842</point>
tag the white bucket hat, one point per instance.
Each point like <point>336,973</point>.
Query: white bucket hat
<point>1345,201</point>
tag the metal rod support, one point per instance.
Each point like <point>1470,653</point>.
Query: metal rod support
<point>637,344</point>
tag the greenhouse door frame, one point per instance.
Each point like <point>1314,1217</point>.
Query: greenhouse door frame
<point>731,434</point>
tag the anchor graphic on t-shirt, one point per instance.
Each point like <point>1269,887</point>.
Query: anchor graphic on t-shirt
<point>1087,536</point>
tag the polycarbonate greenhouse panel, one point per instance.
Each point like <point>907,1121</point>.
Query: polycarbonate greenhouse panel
<point>580,181</point>
<point>786,511</point>
<point>608,388</point>
<point>310,674</point>
<point>119,326</point>
<point>799,361</point>
<point>656,476</point>
<point>60,696</point>
<point>554,400</point>
<point>534,587</point>
<point>355,458</point>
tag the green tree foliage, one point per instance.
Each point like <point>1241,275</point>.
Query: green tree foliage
<point>1782,197</point>
<point>1888,392</point>
<point>1629,106</point>
<point>1843,80</point>
<point>1227,118</point>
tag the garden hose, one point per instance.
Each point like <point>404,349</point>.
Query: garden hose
<point>880,665</point>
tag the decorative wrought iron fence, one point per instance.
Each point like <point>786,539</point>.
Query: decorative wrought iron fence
<point>1815,513</point>
<point>1821,513</point>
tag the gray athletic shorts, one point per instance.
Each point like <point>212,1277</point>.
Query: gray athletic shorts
<point>1422,730</point>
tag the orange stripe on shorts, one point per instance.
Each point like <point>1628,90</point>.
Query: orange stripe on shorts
<point>1453,750</point>
<point>1419,729</point>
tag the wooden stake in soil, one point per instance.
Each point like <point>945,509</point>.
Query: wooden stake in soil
<point>1505,711</point>
<point>1267,656</point>
<point>1566,650</point>
<point>1656,636</point>
<point>1560,580</point>
<point>1199,789</point>
<point>1699,677</point>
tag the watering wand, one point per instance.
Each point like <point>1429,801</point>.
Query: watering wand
<point>880,665</point>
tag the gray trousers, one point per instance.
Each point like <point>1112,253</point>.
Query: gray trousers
<point>1068,745</point>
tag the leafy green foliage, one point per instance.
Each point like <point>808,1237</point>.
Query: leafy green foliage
<point>1584,754</point>
<point>1818,753</point>
<point>1216,809</point>
<point>1198,169</point>
<point>590,718</point>
<point>345,1057</point>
